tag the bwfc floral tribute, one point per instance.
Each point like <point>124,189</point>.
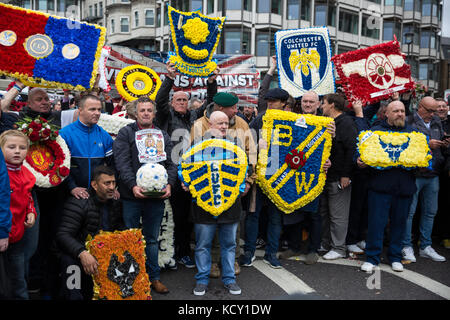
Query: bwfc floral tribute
<point>49,51</point>
<point>289,170</point>
<point>304,61</point>
<point>374,73</point>
<point>195,38</point>
<point>121,270</point>
<point>215,172</point>
<point>136,81</point>
<point>383,149</point>
<point>48,158</point>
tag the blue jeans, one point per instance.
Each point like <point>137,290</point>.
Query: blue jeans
<point>16,253</point>
<point>384,207</point>
<point>204,235</point>
<point>152,212</point>
<point>427,191</point>
<point>274,227</point>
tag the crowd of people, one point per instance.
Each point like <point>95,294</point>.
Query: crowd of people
<point>43,230</point>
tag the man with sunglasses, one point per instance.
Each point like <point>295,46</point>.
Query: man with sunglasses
<point>426,121</point>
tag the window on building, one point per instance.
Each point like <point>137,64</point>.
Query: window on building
<point>197,5</point>
<point>112,26</point>
<point>423,71</point>
<point>158,17</point>
<point>348,22</point>
<point>391,28</point>
<point>236,42</point>
<point>248,5</point>
<point>305,12</point>
<point>136,19</point>
<point>409,5</point>
<point>398,3</point>
<point>124,25</point>
<point>332,16</point>
<point>367,29</point>
<point>263,6</point>
<point>100,9</point>
<point>166,18</point>
<point>425,36</point>
<point>41,5</point>
<point>95,10</point>
<point>320,14</point>
<point>263,44</point>
<point>426,8</point>
<point>293,9</point>
<point>90,11</point>
<point>210,6</point>
<point>414,67</point>
<point>149,17</point>
<point>27,4</point>
<point>277,7</point>
<point>51,5</point>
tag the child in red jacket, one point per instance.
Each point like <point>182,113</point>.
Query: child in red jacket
<point>14,145</point>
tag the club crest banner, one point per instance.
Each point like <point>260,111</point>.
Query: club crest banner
<point>195,38</point>
<point>215,170</point>
<point>49,51</point>
<point>384,149</point>
<point>304,61</point>
<point>374,73</point>
<point>289,170</point>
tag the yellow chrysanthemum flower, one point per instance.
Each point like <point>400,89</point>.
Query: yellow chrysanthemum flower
<point>195,30</point>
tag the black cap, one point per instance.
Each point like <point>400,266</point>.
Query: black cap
<point>277,94</point>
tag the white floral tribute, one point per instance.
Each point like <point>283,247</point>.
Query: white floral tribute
<point>165,239</point>
<point>113,123</point>
<point>152,177</point>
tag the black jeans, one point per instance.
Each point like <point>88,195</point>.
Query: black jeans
<point>181,202</point>
<point>293,232</point>
<point>357,221</point>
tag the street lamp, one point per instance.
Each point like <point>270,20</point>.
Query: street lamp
<point>409,37</point>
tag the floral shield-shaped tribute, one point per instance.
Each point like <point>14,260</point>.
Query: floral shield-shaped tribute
<point>304,61</point>
<point>383,150</point>
<point>121,271</point>
<point>195,38</point>
<point>49,51</point>
<point>374,73</point>
<point>289,170</point>
<point>215,171</point>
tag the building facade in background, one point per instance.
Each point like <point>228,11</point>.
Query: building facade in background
<point>251,25</point>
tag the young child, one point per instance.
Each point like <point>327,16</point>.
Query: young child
<point>14,145</point>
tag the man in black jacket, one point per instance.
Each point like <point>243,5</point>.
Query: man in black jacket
<point>129,156</point>
<point>83,217</point>
<point>176,119</point>
<point>335,200</point>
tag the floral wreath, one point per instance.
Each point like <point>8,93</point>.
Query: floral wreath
<point>215,170</point>
<point>113,123</point>
<point>165,239</point>
<point>121,271</point>
<point>48,158</point>
<point>386,149</point>
<point>135,81</point>
<point>304,146</point>
<point>195,38</point>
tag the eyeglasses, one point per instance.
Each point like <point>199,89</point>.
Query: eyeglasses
<point>428,110</point>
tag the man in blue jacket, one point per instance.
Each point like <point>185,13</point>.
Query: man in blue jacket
<point>389,197</point>
<point>89,145</point>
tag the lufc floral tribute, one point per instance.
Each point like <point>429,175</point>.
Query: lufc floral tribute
<point>304,61</point>
<point>152,177</point>
<point>48,158</point>
<point>374,73</point>
<point>42,50</point>
<point>289,171</point>
<point>384,150</point>
<point>137,81</point>
<point>121,270</point>
<point>195,38</point>
<point>215,171</point>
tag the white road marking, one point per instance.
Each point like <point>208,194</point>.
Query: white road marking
<point>283,278</point>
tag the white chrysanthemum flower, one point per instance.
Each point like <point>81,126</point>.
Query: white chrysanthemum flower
<point>152,177</point>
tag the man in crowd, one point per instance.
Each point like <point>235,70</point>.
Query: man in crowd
<point>335,200</point>
<point>226,223</point>
<point>89,145</point>
<point>389,198</point>
<point>177,119</point>
<point>248,113</point>
<point>82,217</point>
<point>128,158</point>
<point>427,181</point>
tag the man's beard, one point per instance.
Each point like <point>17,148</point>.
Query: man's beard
<point>398,123</point>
